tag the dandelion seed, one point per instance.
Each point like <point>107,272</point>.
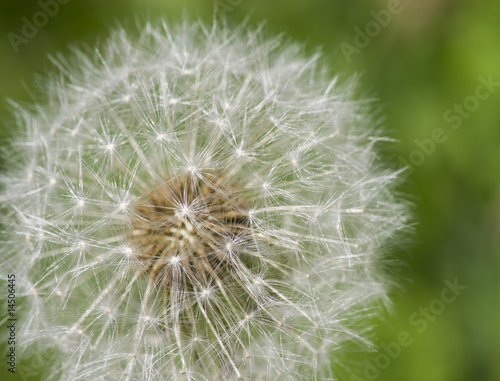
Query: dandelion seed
<point>235,233</point>
<point>175,260</point>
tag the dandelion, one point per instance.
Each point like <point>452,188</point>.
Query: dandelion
<point>196,204</point>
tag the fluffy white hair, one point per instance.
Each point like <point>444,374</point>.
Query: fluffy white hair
<point>196,203</point>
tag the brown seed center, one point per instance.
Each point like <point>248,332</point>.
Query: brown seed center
<point>186,232</point>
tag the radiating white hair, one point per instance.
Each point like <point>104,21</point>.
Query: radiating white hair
<point>198,203</point>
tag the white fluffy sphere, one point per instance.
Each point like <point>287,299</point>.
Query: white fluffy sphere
<point>195,204</point>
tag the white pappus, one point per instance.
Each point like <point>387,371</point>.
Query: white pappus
<point>196,203</point>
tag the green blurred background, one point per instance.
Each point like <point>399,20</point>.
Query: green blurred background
<point>421,65</point>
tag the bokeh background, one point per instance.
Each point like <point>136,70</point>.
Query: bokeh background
<point>421,64</point>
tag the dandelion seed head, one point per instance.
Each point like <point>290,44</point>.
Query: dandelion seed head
<point>220,211</point>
